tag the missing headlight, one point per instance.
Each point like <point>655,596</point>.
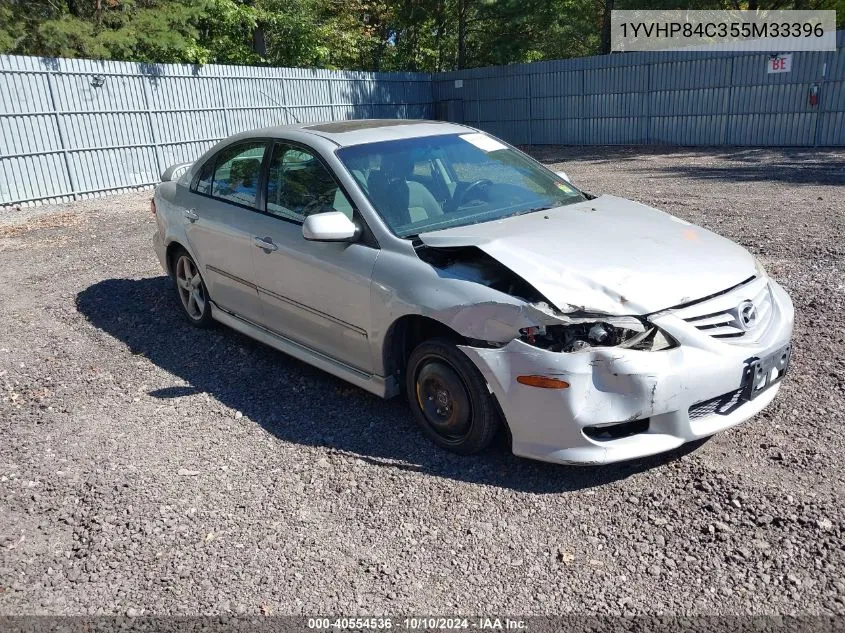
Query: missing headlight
<point>633,334</point>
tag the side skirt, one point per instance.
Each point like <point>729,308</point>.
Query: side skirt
<point>378,385</point>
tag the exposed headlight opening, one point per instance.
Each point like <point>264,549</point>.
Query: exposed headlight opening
<point>626,333</point>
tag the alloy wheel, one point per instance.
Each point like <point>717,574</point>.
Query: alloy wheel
<point>191,288</point>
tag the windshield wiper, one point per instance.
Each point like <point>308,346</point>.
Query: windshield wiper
<point>533,209</point>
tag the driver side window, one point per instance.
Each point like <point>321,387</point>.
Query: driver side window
<point>299,185</point>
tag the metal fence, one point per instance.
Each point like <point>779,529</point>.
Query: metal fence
<point>670,97</point>
<point>71,129</point>
<point>79,128</point>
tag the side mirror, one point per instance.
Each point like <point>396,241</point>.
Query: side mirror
<point>564,175</point>
<point>330,226</point>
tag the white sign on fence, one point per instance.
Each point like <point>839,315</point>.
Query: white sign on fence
<point>780,63</point>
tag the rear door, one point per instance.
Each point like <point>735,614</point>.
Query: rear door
<point>316,293</point>
<point>220,220</point>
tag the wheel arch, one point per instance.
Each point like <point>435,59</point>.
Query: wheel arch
<point>405,333</point>
<point>408,331</point>
<point>172,248</point>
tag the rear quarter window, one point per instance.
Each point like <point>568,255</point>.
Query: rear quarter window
<point>203,184</point>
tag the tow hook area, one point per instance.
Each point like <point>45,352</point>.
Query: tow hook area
<point>607,432</point>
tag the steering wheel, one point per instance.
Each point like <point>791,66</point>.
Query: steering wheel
<point>483,182</point>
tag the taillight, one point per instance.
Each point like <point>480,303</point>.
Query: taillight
<point>153,206</point>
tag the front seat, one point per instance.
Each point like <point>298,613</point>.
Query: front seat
<point>404,201</point>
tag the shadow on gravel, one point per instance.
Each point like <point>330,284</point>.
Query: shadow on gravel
<point>303,405</point>
<point>817,166</point>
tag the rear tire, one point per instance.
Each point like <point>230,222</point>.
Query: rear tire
<point>449,398</point>
<point>190,286</point>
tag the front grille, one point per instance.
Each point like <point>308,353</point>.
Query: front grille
<point>720,405</point>
<point>726,315</point>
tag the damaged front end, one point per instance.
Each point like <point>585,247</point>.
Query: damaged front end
<point>533,319</point>
<point>591,331</point>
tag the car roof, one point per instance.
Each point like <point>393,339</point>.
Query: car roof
<point>358,131</point>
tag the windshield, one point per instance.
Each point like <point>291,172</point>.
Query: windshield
<point>437,182</point>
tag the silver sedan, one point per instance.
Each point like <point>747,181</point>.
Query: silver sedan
<point>434,260</point>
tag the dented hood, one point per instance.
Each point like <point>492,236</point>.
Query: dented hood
<point>608,255</point>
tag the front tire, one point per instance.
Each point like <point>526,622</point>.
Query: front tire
<point>193,295</point>
<point>449,398</point>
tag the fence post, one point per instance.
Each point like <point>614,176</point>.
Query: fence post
<point>153,137</point>
<point>728,117</point>
<point>530,109</point>
<point>583,112</point>
<point>648,114</point>
<point>820,106</point>
<point>331,97</point>
<point>223,104</point>
<point>61,130</point>
<point>285,107</point>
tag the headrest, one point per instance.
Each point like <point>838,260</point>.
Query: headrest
<point>246,170</point>
<point>397,166</point>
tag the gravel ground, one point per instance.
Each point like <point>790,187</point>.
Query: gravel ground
<point>150,468</point>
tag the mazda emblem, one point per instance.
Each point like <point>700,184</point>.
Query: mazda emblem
<point>747,312</point>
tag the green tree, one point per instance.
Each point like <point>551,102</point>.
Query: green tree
<point>424,35</point>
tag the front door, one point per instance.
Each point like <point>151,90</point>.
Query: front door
<point>316,293</point>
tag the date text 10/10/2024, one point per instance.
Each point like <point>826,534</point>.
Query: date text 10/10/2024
<point>418,623</point>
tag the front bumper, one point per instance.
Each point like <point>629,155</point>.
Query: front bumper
<point>612,385</point>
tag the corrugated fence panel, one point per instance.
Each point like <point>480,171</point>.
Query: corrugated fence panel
<point>77,93</point>
<point>836,64</point>
<point>33,133</point>
<point>558,131</point>
<point>74,127</point>
<point>610,80</point>
<point>181,127</point>
<point>679,75</point>
<point>106,129</point>
<point>676,97</point>
<point>832,128</point>
<point>555,84</point>
<point>31,177</point>
<point>687,130</point>
<point>71,128</point>
<point>568,107</point>
<point>184,152</point>
<point>96,170</point>
<point>775,99</point>
<point>616,105</point>
<point>688,102</point>
<point>24,93</point>
<point>771,129</point>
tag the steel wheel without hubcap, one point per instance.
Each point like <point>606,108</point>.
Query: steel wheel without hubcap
<point>191,288</point>
<point>443,398</point>
<point>449,397</point>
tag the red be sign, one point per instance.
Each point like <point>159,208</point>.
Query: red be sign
<point>780,63</point>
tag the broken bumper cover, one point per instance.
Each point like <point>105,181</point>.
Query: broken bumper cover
<point>676,396</point>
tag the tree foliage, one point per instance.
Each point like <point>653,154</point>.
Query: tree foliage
<point>423,35</point>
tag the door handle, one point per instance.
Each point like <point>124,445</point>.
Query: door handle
<point>191,215</point>
<point>265,244</point>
